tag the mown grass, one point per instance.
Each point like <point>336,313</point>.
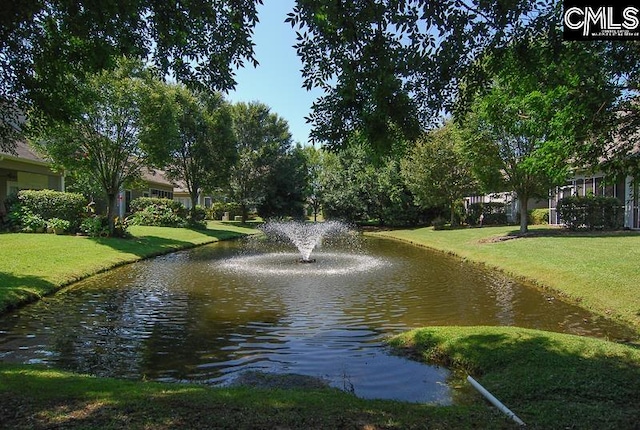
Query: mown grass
<point>600,271</point>
<point>550,380</point>
<point>33,397</point>
<point>34,265</point>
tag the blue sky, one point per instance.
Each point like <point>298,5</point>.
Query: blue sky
<point>277,81</point>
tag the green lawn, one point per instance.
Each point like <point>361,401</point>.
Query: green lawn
<point>600,271</point>
<point>33,265</point>
<point>549,380</point>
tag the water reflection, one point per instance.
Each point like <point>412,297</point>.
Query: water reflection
<point>191,316</point>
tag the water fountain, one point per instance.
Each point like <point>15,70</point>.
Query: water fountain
<point>304,236</point>
<point>272,254</point>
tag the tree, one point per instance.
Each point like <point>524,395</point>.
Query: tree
<point>314,188</point>
<point>436,170</point>
<point>358,185</point>
<point>107,141</point>
<point>544,104</point>
<point>388,65</point>
<point>285,190</point>
<point>46,47</point>
<point>262,138</point>
<point>202,149</point>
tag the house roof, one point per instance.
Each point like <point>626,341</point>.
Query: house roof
<point>24,152</point>
<point>156,176</point>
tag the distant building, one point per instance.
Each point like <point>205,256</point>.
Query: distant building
<point>26,169</point>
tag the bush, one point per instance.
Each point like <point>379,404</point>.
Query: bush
<point>95,226</point>
<point>539,216</point>
<point>58,225</point>
<point>218,209</point>
<point>493,213</point>
<point>157,212</point>
<point>31,206</point>
<point>200,214</point>
<point>590,213</point>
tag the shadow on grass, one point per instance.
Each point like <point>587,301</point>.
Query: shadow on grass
<point>564,233</point>
<point>40,398</point>
<point>550,381</point>
<point>16,290</point>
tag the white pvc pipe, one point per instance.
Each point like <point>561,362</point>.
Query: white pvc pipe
<point>495,402</point>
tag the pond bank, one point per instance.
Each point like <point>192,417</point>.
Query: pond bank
<point>35,265</point>
<point>597,270</point>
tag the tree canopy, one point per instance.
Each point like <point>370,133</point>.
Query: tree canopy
<point>46,47</point>
<point>389,66</point>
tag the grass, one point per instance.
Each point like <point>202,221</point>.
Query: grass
<point>600,271</point>
<point>550,380</point>
<point>34,265</point>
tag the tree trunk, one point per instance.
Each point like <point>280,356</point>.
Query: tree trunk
<point>524,222</point>
<point>194,203</point>
<point>245,213</point>
<point>452,208</point>
<point>112,212</point>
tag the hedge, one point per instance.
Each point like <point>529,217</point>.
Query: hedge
<point>46,205</point>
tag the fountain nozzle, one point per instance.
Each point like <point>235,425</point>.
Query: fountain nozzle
<point>307,260</point>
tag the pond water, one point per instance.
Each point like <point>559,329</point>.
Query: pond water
<point>212,313</point>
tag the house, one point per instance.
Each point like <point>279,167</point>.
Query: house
<point>153,184</point>
<point>509,200</point>
<point>583,184</point>
<point>181,194</point>
<point>26,169</point>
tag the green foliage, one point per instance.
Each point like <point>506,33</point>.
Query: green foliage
<point>198,129</point>
<point>263,141</point>
<point>359,186</point>
<point>539,216</point>
<point>431,184</point>
<point>152,211</point>
<point>493,213</point>
<point>31,207</point>
<point>58,225</point>
<point>95,226</point>
<point>109,139</point>
<point>218,209</point>
<point>387,66</point>
<point>590,212</point>
<point>47,48</point>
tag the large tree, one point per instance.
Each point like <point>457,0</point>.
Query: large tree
<point>262,139</point>
<point>201,147</point>
<point>437,171</point>
<point>541,111</point>
<point>47,46</point>
<point>107,142</point>
<point>388,65</point>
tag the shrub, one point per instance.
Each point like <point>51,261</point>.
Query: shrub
<point>32,223</point>
<point>95,226</point>
<point>31,206</point>
<point>493,213</point>
<point>590,213</point>
<point>157,212</point>
<point>141,203</point>
<point>58,225</point>
<point>200,214</point>
<point>219,208</point>
<point>539,216</point>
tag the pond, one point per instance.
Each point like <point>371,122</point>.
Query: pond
<point>210,314</point>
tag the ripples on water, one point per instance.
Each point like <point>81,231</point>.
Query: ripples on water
<point>210,314</point>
